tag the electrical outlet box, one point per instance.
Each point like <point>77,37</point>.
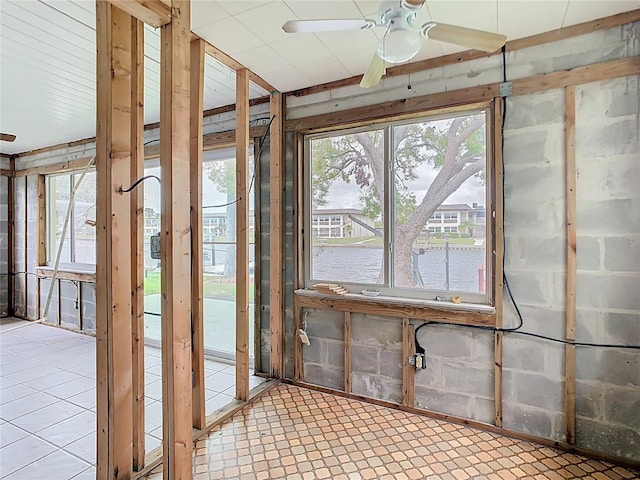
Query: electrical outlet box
<point>419,361</point>
<point>155,247</point>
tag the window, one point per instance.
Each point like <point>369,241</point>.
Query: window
<point>387,183</point>
<point>79,245</point>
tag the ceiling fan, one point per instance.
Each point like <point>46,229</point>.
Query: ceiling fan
<point>401,41</point>
<point>7,137</point>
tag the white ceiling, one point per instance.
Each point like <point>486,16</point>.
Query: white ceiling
<point>47,51</point>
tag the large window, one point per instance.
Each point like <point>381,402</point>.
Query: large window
<point>411,201</point>
<point>79,245</point>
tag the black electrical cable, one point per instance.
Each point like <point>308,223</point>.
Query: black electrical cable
<point>153,313</point>
<point>138,182</point>
<point>10,274</point>
<point>255,160</point>
<point>516,329</point>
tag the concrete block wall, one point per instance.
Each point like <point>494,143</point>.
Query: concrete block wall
<point>458,379</point>
<point>4,246</point>
<point>608,255</point>
<point>19,247</point>
<point>535,259</point>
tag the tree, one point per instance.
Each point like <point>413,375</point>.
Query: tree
<point>454,147</point>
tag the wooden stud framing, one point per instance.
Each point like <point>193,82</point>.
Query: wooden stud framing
<point>408,371</point>
<point>176,243</point>
<point>498,241</point>
<point>276,236</point>
<point>197,292</point>
<point>154,12</point>
<point>298,364</point>
<point>113,219</point>
<point>298,253</point>
<point>26,250</point>
<point>570,322</point>
<point>137,240</point>
<point>347,352</point>
<point>242,235</point>
<point>41,241</point>
<point>11,240</point>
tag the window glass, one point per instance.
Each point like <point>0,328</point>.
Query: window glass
<point>434,211</point>
<point>347,207</point>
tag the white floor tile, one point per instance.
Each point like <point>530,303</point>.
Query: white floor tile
<point>62,463</point>
<point>21,453</point>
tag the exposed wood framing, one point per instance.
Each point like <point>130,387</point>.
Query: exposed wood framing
<point>347,352</point>
<point>11,181</point>
<point>408,371</point>
<point>6,173</point>
<point>137,241</point>
<point>466,97</point>
<point>570,319</point>
<point>26,250</point>
<point>225,59</point>
<point>154,12</point>
<point>625,462</point>
<point>41,241</point>
<point>197,287</point>
<point>498,241</point>
<point>298,364</point>
<point>242,235</point>
<point>276,237</point>
<point>257,270</point>
<point>113,219</point>
<point>396,309</point>
<point>175,56</point>
<point>64,275</point>
<point>455,58</point>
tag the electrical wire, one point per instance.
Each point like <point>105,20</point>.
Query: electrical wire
<point>255,160</point>
<point>138,182</point>
<point>10,274</point>
<point>516,329</point>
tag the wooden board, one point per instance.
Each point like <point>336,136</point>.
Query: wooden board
<point>113,245</point>
<point>242,235</point>
<point>466,98</point>
<point>276,237</point>
<point>137,241</point>
<point>408,371</point>
<point>298,364</point>
<point>175,238</point>
<point>398,310</point>
<point>197,273</point>
<point>498,241</point>
<point>347,352</point>
<point>152,12</point>
<point>570,314</point>
<point>11,238</point>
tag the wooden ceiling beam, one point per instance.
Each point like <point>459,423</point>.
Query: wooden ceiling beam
<point>153,12</point>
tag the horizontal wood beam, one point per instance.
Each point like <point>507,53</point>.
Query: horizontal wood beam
<point>7,173</point>
<point>340,303</point>
<point>63,275</point>
<point>466,98</point>
<point>468,55</point>
<point>153,12</point>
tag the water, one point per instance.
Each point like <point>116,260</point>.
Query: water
<point>362,265</point>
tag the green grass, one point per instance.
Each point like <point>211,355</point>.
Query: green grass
<point>215,286</point>
<point>452,241</point>
<point>378,241</point>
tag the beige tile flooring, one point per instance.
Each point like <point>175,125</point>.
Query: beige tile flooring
<point>297,434</point>
<point>48,402</point>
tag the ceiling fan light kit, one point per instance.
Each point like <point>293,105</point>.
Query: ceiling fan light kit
<point>402,40</point>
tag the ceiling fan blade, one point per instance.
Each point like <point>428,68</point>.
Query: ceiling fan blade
<point>7,137</point>
<point>466,37</point>
<point>374,72</point>
<point>310,26</point>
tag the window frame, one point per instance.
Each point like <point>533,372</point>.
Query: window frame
<point>51,210</point>
<point>411,295</point>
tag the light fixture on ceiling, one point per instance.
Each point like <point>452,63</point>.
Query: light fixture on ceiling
<point>399,45</point>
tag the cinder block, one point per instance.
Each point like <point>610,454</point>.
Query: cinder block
<point>365,359</point>
<point>535,390</point>
<point>622,254</point>
<point>529,287</point>
<point>527,419</point>
<point>484,410</point>
<point>314,352</point>
<point>535,109</point>
<point>588,253</point>
<point>391,363</point>
<point>615,440</point>
<point>461,378</point>
<point>589,324</point>
<point>622,405</point>
<point>324,376</point>
<point>375,386</point>
<point>521,147</point>
<point>325,324</point>
<point>589,399</point>
<point>448,342</point>
<point>444,402</point>
<point>608,291</point>
<point>610,98</point>
<point>623,328</point>
<point>536,251</point>
<point>376,331</point>
<point>616,367</point>
<point>335,353</point>
<point>522,354</point>
<point>616,138</point>
<point>432,375</point>
<point>602,217</point>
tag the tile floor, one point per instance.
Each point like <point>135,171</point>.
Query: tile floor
<point>48,403</point>
<point>296,434</point>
